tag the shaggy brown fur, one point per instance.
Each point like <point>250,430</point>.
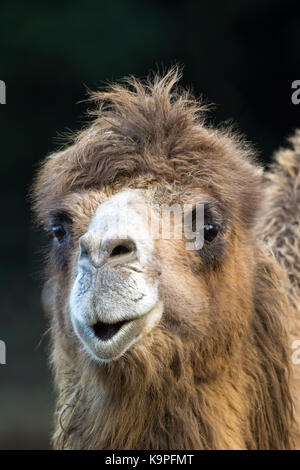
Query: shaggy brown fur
<point>280,224</point>
<point>213,377</point>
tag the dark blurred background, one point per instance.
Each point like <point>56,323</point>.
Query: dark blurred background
<point>241,55</point>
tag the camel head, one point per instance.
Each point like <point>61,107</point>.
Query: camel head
<point>166,313</point>
<point>117,282</point>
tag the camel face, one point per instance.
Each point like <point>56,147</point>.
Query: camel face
<point>194,330</point>
<point>133,282</point>
<point>125,275</point>
<point>115,300</point>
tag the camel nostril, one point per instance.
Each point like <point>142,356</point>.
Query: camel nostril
<point>84,247</point>
<point>123,248</point>
<point>120,250</point>
<point>83,251</point>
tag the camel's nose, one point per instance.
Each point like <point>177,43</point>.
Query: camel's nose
<point>112,250</point>
<point>118,233</point>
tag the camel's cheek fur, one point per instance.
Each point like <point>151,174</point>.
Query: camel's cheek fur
<point>203,303</point>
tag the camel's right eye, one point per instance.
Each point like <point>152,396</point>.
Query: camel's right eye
<point>58,232</point>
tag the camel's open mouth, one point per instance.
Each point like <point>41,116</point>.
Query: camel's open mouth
<point>108,341</point>
<point>105,331</point>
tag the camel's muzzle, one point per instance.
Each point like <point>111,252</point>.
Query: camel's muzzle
<point>115,296</point>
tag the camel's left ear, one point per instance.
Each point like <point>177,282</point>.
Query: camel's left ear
<point>270,335</point>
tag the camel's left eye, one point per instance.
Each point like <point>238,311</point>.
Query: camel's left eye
<point>210,232</point>
<point>58,232</point>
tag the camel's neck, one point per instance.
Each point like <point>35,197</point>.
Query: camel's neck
<point>160,410</point>
<point>174,419</point>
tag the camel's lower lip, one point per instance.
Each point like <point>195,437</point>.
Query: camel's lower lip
<point>109,341</point>
<point>106,331</point>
